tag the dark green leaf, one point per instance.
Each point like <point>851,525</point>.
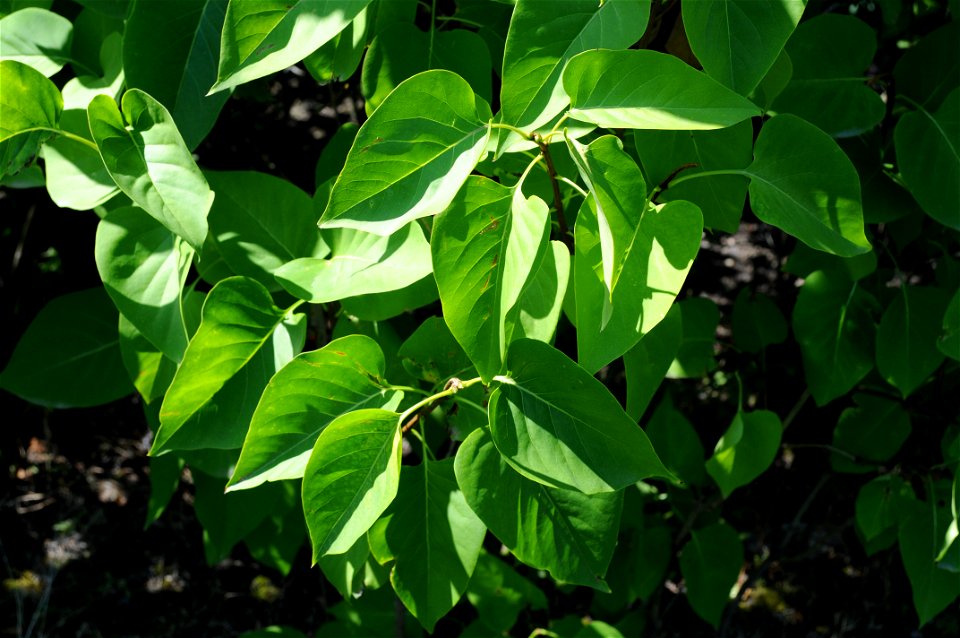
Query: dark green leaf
<point>872,431</point>
<point>710,563</point>
<point>677,443</point>
<point>351,478</point>
<point>434,539</point>
<point>695,358</point>
<point>570,534</point>
<point>934,589</point>
<point>150,371</point>
<point>663,93</point>
<point>757,322</point>
<point>556,424</point>
<point>345,571</point>
<point>386,305</point>
<point>164,480</point>
<point>949,341</point>
<point>930,70</point>
<point>745,450</point>
<point>432,354</point>
<point>907,352</point>
<point>646,363</point>
<point>69,355</point>
<point>302,399</point>
<point>835,329</point>
<point>412,156</point>
<point>499,593</point>
<point>881,504</point>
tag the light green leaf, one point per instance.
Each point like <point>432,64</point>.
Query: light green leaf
<point>677,443</point>
<point>402,50</point>
<point>170,50</point>
<point>78,91</point>
<point>146,157</point>
<point>486,249</point>
<point>803,183</point>
<point>303,398</point>
<point>872,431</point>
<point>37,37</point>
<point>263,37</point>
<point>907,352</point>
<point>238,318</point>
<point>646,363</point>
<point>542,39</point>
<point>949,341</point>
<point>695,357</point>
<point>570,534</point>
<point>340,56</point>
<point>69,355</point>
<point>542,301</point>
<point>710,563</point>
<point>143,267</point>
<point>150,371</point>
<point>757,322</point>
<point>434,538</point>
<point>745,450</point>
<point>619,197</point>
<point>75,175</point>
<point>737,41</point>
<point>934,589</point>
<point>351,477</point>
<point>360,263</point>
<point>412,156</point>
<point>556,424</point>
<point>667,242</point>
<point>830,55</point>
<point>663,93</point>
<point>928,154</point>
<point>720,197</point>
<point>30,110</point>
<point>881,504</point>
<point>834,326</point>
<point>261,222</point>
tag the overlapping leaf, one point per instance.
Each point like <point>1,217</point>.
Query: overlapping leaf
<point>30,110</point>
<point>556,424</point>
<point>37,37</point>
<point>412,156</point>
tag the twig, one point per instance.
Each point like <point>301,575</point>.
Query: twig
<point>665,184</point>
<point>557,197</point>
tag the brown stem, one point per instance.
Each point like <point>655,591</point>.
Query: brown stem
<point>665,184</point>
<point>557,197</point>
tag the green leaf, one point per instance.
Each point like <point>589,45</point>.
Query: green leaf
<point>150,371</point>
<point>663,93</point>
<point>261,222</point>
<point>387,305</point>
<point>745,450</point>
<point>907,352</point>
<point>69,356</point>
<point>351,477</point>
<point>434,538</point>
<point>803,183</point>
<point>757,322</point>
<point>36,37</point>
<point>874,431</point>
<point>929,159</point>
<point>774,82</point>
<point>30,109</point>
<point>143,267</point>
<point>881,504</point>
<point>677,443</point>
<point>360,263</point>
<point>238,318</point>
<point>695,357</point>
<point>334,155</point>
<point>260,38</point>
<point>75,175</point>
<point>402,50</point>
<point>302,399</point>
<point>170,50</point>
<point>556,424</point>
<point>146,157</point>
<point>78,91</point>
<point>646,363</point>
<point>276,541</point>
<point>486,248</point>
<point>345,571</point>
<point>619,197</point>
<point>934,589</point>
<point>542,39</point>
<point>830,55</point>
<point>542,301</point>
<point>165,474</point>
<point>499,594</point>
<point>432,354</point>
<point>412,156</point>
<point>570,534</point>
<point>834,326</point>
<point>949,341</point>
<point>721,197</point>
<point>928,71</point>
<point>667,241</point>
<point>339,57</point>
<point>710,563</point>
<point>9,6</point>
<point>737,41</point>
